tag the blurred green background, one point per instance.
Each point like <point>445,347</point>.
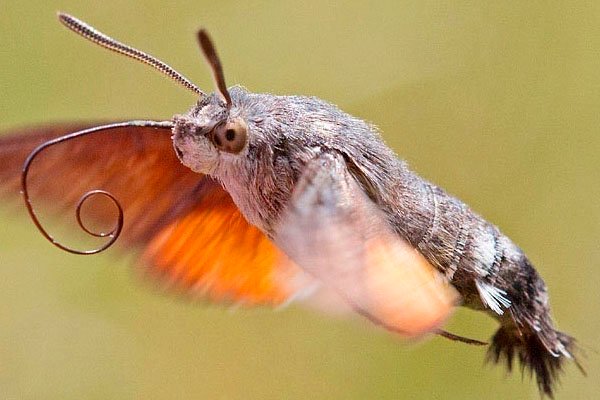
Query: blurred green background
<point>497,103</point>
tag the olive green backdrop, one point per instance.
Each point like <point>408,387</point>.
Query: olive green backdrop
<point>498,103</point>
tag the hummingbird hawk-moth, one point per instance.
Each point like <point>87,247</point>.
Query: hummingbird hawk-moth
<point>263,199</point>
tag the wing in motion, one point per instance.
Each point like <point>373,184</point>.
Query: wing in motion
<point>336,233</point>
<point>188,229</point>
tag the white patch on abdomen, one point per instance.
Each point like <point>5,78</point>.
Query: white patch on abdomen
<point>484,252</point>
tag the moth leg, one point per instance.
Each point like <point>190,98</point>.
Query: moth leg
<point>333,231</point>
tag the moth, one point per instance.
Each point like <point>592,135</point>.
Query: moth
<point>264,199</point>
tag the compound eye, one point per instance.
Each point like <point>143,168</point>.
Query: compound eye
<point>231,137</point>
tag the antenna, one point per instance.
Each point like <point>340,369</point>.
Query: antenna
<point>95,36</point>
<point>210,53</point>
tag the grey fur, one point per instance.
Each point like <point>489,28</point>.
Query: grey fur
<point>286,132</point>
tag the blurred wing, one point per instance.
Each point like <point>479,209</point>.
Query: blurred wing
<point>335,232</point>
<point>190,232</point>
<point>214,253</point>
<point>135,163</point>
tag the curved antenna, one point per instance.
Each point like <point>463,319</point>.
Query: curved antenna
<point>210,53</point>
<point>95,36</point>
<point>114,233</point>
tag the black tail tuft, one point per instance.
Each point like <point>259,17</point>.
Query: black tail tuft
<point>534,354</point>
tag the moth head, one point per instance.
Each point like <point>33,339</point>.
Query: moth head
<point>215,129</point>
<point>210,134</point>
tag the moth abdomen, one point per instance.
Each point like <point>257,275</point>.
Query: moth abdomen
<point>455,238</point>
<point>491,273</point>
<point>527,331</point>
